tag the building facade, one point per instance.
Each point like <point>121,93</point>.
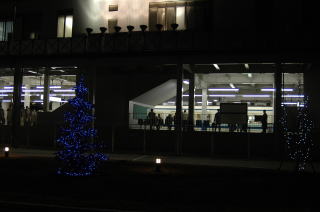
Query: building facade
<point>169,56</point>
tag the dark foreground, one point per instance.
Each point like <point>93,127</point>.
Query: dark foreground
<point>30,184</point>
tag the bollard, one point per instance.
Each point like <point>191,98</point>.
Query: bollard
<point>6,152</point>
<point>158,164</point>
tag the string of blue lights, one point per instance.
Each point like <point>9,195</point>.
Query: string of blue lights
<point>299,143</point>
<point>80,155</point>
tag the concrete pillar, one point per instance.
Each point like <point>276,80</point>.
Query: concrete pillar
<point>27,96</point>
<point>46,91</point>
<point>17,91</point>
<point>191,103</point>
<point>277,107</point>
<point>178,120</point>
<point>204,103</point>
<point>178,116</point>
<point>311,81</point>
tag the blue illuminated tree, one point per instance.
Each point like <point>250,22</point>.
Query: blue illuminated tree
<point>80,154</point>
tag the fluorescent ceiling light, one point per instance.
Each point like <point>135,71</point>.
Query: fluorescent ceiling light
<point>3,94</point>
<point>215,100</point>
<point>217,67</point>
<point>247,66</point>
<point>32,72</point>
<point>30,94</point>
<point>64,90</point>
<point>222,95</point>
<point>293,96</point>
<point>53,86</point>
<point>11,87</point>
<point>224,89</point>
<point>186,82</point>
<point>273,89</point>
<point>256,96</point>
<point>64,95</point>
<point>6,91</point>
<point>171,102</point>
<point>207,102</point>
<point>290,103</point>
<point>232,85</point>
<point>32,91</point>
<point>196,95</point>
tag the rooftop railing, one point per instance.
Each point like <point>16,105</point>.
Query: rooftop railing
<point>146,41</point>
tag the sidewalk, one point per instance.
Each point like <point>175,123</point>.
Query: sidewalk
<point>182,160</point>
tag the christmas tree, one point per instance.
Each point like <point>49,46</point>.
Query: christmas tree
<point>80,154</point>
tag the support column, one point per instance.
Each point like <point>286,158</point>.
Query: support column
<point>278,111</point>
<point>26,96</point>
<point>178,116</point>
<point>191,103</point>
<point>46,91</point>
<point>204,102</point>
<point>18,76</point>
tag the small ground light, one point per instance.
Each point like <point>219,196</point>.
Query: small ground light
<point>6,152</point>
<point>158,164</point>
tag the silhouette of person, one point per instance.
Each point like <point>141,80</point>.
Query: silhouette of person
<point>33,118</point>
<point>217,121</point>
<point>9,115</point>
<point>2,120</point>
<point>264,121</point>
<point>185,120</point>
<point>159,121</point>
<point>168,121</point>
<point>27,119</point>
<point>152,119</point>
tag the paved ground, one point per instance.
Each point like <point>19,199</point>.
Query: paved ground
<point>129,182</point>
<point>183,160</point>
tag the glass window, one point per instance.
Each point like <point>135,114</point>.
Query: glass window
<point>153,13</point>
<point>65,25</point>
<point>167,14</point>
<point>6,94</point>
<point>5,29</point>
<point>181,13</point>
<point>171,17</point>
<point>111,24</point>
<point>161,16</point>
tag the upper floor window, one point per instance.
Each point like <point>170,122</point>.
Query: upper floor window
<point>113,8</point>
<point>6,27</point>
<point>189,14</point>
<point>65,24</point>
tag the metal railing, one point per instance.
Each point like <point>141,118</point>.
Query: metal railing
<point>138,41</point>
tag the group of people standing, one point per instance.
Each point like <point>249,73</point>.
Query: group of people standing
<point>156,121</point>
<point>28,117</point>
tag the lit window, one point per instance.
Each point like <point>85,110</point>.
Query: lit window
<point>113,8</point>
<point>65,23</point>
<point>5,29</point>
<point>188,15</point>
